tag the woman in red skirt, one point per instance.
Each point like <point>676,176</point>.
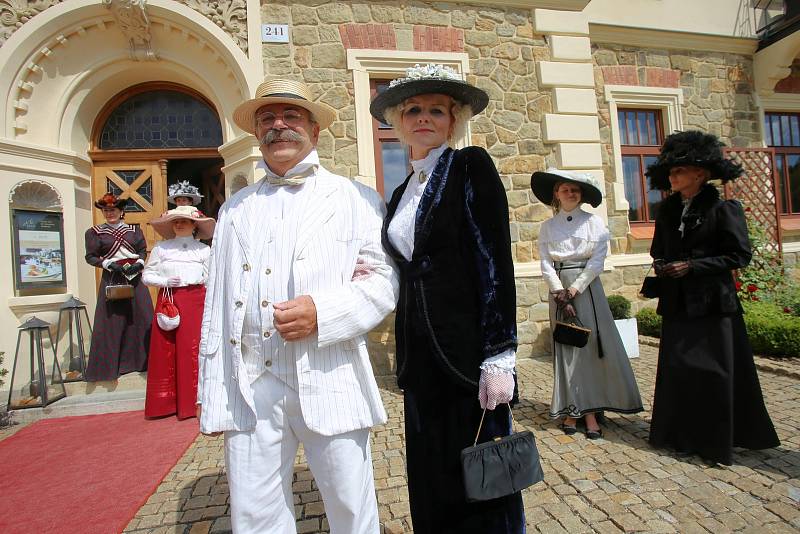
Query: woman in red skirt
<point>179,266</point>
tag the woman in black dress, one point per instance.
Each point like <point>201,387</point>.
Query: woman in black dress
<point>707,397</point>
<point>121,333</point>
<point>447,228</point>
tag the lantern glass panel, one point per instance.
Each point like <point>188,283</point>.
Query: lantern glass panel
<point>36,380</point>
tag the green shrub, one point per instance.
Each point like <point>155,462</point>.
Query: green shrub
<point>648,322</point>
<point>772,332</point>
<point>620,307</point>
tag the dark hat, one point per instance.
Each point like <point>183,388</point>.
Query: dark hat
<point>543,182</point>
<point>110,200</point>
<point>692,148</point>
<point>437,79</point>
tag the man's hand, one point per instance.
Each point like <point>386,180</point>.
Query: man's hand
<point>295,319</point>
<point>677,269</point>
<point>199,413</point>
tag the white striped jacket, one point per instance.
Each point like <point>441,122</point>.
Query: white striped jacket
<point>340,263</point>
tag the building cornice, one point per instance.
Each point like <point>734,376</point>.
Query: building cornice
<point>562,5</point>
<point>26,157</point>
<point>675,40</point>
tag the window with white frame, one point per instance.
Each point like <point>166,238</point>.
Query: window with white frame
<point>782,132</point>
<point>641,118</point>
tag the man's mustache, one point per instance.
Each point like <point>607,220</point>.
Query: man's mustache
<point>281,135</point>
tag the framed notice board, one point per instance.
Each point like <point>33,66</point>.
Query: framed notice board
<point>38,249</point>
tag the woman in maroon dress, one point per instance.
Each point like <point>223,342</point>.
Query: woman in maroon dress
<point>121,333</point>
<point>178,265</point>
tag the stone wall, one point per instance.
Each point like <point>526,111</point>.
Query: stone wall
<point>503,51</point>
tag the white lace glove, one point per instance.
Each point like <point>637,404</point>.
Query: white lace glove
<point>173,281</point>
<point>495,388</point>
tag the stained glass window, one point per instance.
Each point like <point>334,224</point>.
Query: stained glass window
<point>161,119</point>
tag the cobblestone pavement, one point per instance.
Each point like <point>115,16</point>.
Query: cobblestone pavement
<point>617,484</point>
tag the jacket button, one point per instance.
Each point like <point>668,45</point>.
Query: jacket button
<point>238,303</point>
<point>245,267</point>
<point>264,303</point>
<point>233,341</point>
<point>267,334</point>
<point>268,271</point>
<point>268,363</point>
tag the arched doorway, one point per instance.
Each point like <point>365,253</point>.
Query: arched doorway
<point>149,137</point>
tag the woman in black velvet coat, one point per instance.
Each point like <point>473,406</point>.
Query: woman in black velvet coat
<point>447,229</point>
<point>707,398</point>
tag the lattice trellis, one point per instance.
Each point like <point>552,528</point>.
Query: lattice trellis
<point>756,189</point>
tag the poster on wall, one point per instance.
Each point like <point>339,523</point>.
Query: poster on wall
<point>38,249</point>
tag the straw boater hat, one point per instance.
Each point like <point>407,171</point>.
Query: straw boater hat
<point>420,80</point>
<point>281,91</point>
<point>110,200</point>
<point>692,148</point>
<point>184,189</point>
<point>543,182</point>
<point>163,224</point>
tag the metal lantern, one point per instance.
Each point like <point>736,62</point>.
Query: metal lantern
<point>74,326</point>
<point>31,385</point>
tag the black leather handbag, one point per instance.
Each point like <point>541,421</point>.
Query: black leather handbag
<point>571,332</point>
<point>500,467</point>
<point>651,286</point>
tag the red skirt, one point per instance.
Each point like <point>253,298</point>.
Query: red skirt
<point>172,371</point>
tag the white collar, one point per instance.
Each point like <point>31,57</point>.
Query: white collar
<point>572,217</point>
<point>428,163</point>
<point>312,159</point>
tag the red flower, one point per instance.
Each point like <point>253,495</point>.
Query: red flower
<point>747,209</point>
<point>752,288</point>
<point>738,285</point>
<point>754,298</point>
<point>787,309</point>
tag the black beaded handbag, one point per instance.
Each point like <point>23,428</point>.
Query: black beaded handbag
<point>571,332</point>
<point>502,466</point>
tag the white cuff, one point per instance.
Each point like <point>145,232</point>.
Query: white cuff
<point>106,263</point>
<point>500,363</point>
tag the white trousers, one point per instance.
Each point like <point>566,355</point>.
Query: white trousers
<point>260,465</point>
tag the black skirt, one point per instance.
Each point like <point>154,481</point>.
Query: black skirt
<point>707,397</point>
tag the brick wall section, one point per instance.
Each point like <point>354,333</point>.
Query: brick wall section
<point>649,76</point>
<point>622,75</point>
<point>373,36</point>
<point>433,39</point>
<point>658,77</point>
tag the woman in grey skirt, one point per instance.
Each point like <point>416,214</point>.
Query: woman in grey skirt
<point>573,245</point>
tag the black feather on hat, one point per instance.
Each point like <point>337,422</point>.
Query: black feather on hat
<point>692,148</point>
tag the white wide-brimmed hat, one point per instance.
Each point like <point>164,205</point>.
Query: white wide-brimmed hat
<point>163,224</point>
<point>542,183</point>
<point>184,189</point>
<point>282,91</point>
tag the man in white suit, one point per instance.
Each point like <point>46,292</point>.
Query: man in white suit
<point>297,278</point>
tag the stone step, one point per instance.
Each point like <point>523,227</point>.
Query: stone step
<point>131,381</point>
<point>97,403</point>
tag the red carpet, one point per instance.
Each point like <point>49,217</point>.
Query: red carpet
<point>87,474</point>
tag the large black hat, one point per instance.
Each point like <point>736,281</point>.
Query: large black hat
<point>110,200</point>
<point>543,182</point>
<point>692,148</point>
<point>421,80</point>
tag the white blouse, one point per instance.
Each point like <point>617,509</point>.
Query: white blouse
<point>401,236</point>
<point>573,236</point>
<point>401,228</point>
<point>184,257</point>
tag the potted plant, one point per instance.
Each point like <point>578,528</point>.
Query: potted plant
<point>626,326</point>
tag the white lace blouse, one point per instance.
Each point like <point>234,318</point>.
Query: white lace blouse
<point>573,236</point>
<point>182,256</point>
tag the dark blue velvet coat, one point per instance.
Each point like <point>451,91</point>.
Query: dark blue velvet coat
<point>457,295</point>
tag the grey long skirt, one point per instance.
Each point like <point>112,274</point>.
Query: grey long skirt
<point>585,382</point>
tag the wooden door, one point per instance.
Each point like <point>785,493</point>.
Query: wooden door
<point>213,189</point>
<point>143,184</point>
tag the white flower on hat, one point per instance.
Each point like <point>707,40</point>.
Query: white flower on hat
<point>432,71</point>
<point>183,188</point>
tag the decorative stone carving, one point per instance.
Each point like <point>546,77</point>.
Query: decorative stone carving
<point>230,15</point>
<point>15,13</point>
<point>35,194</point>
<point>131,16</point>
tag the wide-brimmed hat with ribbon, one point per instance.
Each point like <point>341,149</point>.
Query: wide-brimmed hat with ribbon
<point>110,200</point>
<point>694,149</point>
<point>184,189</point>
<point>163,224</point>
<point>428,79</point>
<point>282,91</point>
<point>543,182</point>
